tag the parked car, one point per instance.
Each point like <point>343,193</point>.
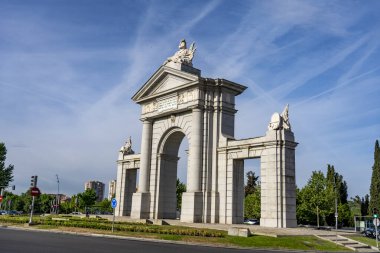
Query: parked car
<point>13,212</point>
<point>252,221</point>
<point>371,232</point>
<point>76,213</point>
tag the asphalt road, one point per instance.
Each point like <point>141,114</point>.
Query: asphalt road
<point>21,241</point>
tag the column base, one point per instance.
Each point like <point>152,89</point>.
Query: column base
<point>192,206</point>
<point>140,205</point>
<point>274,223</point>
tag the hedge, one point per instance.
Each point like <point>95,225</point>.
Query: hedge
<point>119,226</point>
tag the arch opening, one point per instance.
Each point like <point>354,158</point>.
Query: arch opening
<point>168,161</point>
<point>246,205</point>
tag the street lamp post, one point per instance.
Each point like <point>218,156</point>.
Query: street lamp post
<point>57,199</point>
<point>336,209</point>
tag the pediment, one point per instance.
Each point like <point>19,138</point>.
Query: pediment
<point>164,81</point>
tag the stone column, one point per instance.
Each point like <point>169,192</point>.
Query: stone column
<point>146,146</point>
<point>120,186</point>
<point>141,199</point>
<point>192,199</point>
<point>195,166</point>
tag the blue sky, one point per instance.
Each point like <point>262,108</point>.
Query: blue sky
<point>68,70</point>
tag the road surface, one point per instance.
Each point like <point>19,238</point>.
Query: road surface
<point>25,241</point>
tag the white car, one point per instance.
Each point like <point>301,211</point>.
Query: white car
<point>76,213</point>
<point>252,221</point>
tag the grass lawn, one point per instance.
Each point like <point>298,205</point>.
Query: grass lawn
<point>257,241</point>
<point>214,237</point>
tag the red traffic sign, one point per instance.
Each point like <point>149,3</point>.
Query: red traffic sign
<point>1,198</point>
<point>34,191</point>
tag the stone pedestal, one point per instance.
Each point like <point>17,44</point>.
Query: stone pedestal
<point>278,191</point>
<point>140,205</point>
<point>192,204</point>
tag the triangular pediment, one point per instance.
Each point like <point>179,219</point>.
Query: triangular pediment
<point>165,80</point>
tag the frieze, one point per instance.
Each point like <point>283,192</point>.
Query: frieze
<point>169,103</point>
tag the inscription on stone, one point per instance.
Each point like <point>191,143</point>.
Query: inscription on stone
<point>167,104</point>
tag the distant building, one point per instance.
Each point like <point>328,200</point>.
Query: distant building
<point>98,187</point>
<point>111,189</point>
<point>62,197</point>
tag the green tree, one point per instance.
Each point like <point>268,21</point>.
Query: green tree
<point>43,203</point>
<point>87,198</point>
<point>336,183</point>
<point>105,206</point>
<point>6,172</point>
<point>356,205</point>
<point>374,191</point>
<point>66,207</point>
<point>252,204</point>
<point>364,205</point>
<point>313,201</point>
<point>11,202</point>
<point>180,189</point>
<point>251,185</point>
<point>252,200</point>
<point>336,191</point>
<point>345,217</point>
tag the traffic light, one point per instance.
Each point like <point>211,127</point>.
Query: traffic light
<point>375,213</point>
<point>33,181</point>
<point>13,187</point>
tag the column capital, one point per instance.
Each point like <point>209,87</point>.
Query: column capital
<point>146,120</point>
<point>197,108</point>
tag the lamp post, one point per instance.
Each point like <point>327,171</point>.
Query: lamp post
<point>336,209</point>
<point>57,199</point>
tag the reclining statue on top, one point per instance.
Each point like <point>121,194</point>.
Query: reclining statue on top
<point>184,55</point>
<point>127,148</point>
<point>280,121</point>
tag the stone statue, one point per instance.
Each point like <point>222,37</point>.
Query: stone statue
<point>285,118</point>
<point>183,55</point>
<point>279,122</point>
<point>127,148</point>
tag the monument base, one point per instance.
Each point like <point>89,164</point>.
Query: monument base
<point>140,205</point>
<point>192,205</point>
<point>278,223</point>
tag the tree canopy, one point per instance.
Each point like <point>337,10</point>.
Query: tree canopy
<point>180,189</point>
<point>251,185</point>
<point>316,200</point>
<point>6,172</point>
<point>252,201</point>
<point>374,191</point>
<point>87,198</point>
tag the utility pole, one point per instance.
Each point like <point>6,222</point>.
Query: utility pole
<point>58,198</point>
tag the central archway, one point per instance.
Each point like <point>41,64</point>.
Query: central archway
<point>167,168</point>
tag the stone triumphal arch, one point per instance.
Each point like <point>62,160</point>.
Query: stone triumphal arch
<point>176,103</point>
